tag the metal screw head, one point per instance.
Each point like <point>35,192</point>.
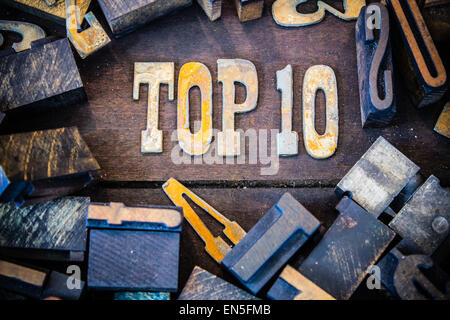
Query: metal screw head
<point>440,225</point>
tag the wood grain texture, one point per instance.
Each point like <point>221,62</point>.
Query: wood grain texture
<point>133,260</point>
<point>125,16</point>
<point>58,225</point>
<point>203,285</point>
<point>355,241</point>
<point>111,121</point>
<point>45,76</point>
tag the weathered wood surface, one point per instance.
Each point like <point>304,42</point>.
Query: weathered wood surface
<point>42,77</point>
<point>58,225</point>
<point>125,16</point>
<point>111,122</point>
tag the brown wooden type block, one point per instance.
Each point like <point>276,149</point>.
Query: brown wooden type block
<point>203,285</point>
<point>53,230</point>
<point>124,17</point>
<point>50,163</point>
<point>45,76</point>
<point>355,241</point>
<point>212,8</point>
<point>424,74</point>
<point>56,12</point>
<point>38,283</point>
<point>374,55</point>
<point>249,9</point>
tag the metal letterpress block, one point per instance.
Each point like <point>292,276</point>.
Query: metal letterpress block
<point>42,74</point>
<point>443,124</point>
<point>38,283</point>
<point>53,230</point>
<point>249,9</point>
<point>424,219</point>
<point>141,296</point>
<point>124,16</point>
<point>270,243</point>
<point>136,249</point>
<point>212,8</point>
<point>40,8</point>
<point>413,277</point>
<point>378,177</point>
<point>355,241</point>
<point>421,66</point>
<point>292,285</point>
<point>373,52</point>
<point>203,285</point>
<point>44,165</point>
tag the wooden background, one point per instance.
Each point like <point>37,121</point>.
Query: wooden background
<point>111,122</point>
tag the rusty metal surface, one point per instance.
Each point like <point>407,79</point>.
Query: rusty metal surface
<point>287,140</point>
<point>29,32</point>
<point>413,277</point>
<point>116,214</point>
<point>425,218</point>
<point>378,177</point>
<point>430,78</point>
<point>316,78</point>
<point>374,58</point>
<point>229,72</point>
<point>153,74</point>
<point>292,285</point>
<point>216,247</point>
<point>194,74</point>
<point>87,41</point>
<point>285,12</point>
<point>443,124</point>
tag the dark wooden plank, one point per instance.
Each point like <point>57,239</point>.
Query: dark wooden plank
<point>45,76</point>
<point>124,16</point>
<point>58,226</point>
<point>111,122</point>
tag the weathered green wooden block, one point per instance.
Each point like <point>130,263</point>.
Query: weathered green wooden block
<point>53,230</point>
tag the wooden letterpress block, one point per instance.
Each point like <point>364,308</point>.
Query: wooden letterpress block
<point>443,124</point>
<point>355,241</point>
<point>421,65</point>
<point>53,230</point>
<point>292,285</point>
<point>270,243</point>
<point>373,52</point>
<point>378,177</point>
<point>4,181</point>
<point>44,76</point>
<point>413,277</point>
<point>124,16</point>
<point>46,164</point>
<point>249,9</point>
<point>56,12</point>
<point>203,285</point>
<point>424,219</point>
<point>136,249</point>
<point>212,8</point>
<point>37,283</point>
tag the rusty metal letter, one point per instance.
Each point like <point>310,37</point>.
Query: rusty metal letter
<point>287,139</point>
<point>154,74</point>
<point>285,12</point>
<point>229,72</point>
<point>29,32</point>
<point>320,146</point>
<point>194,74</point>
<point>89,40</point>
